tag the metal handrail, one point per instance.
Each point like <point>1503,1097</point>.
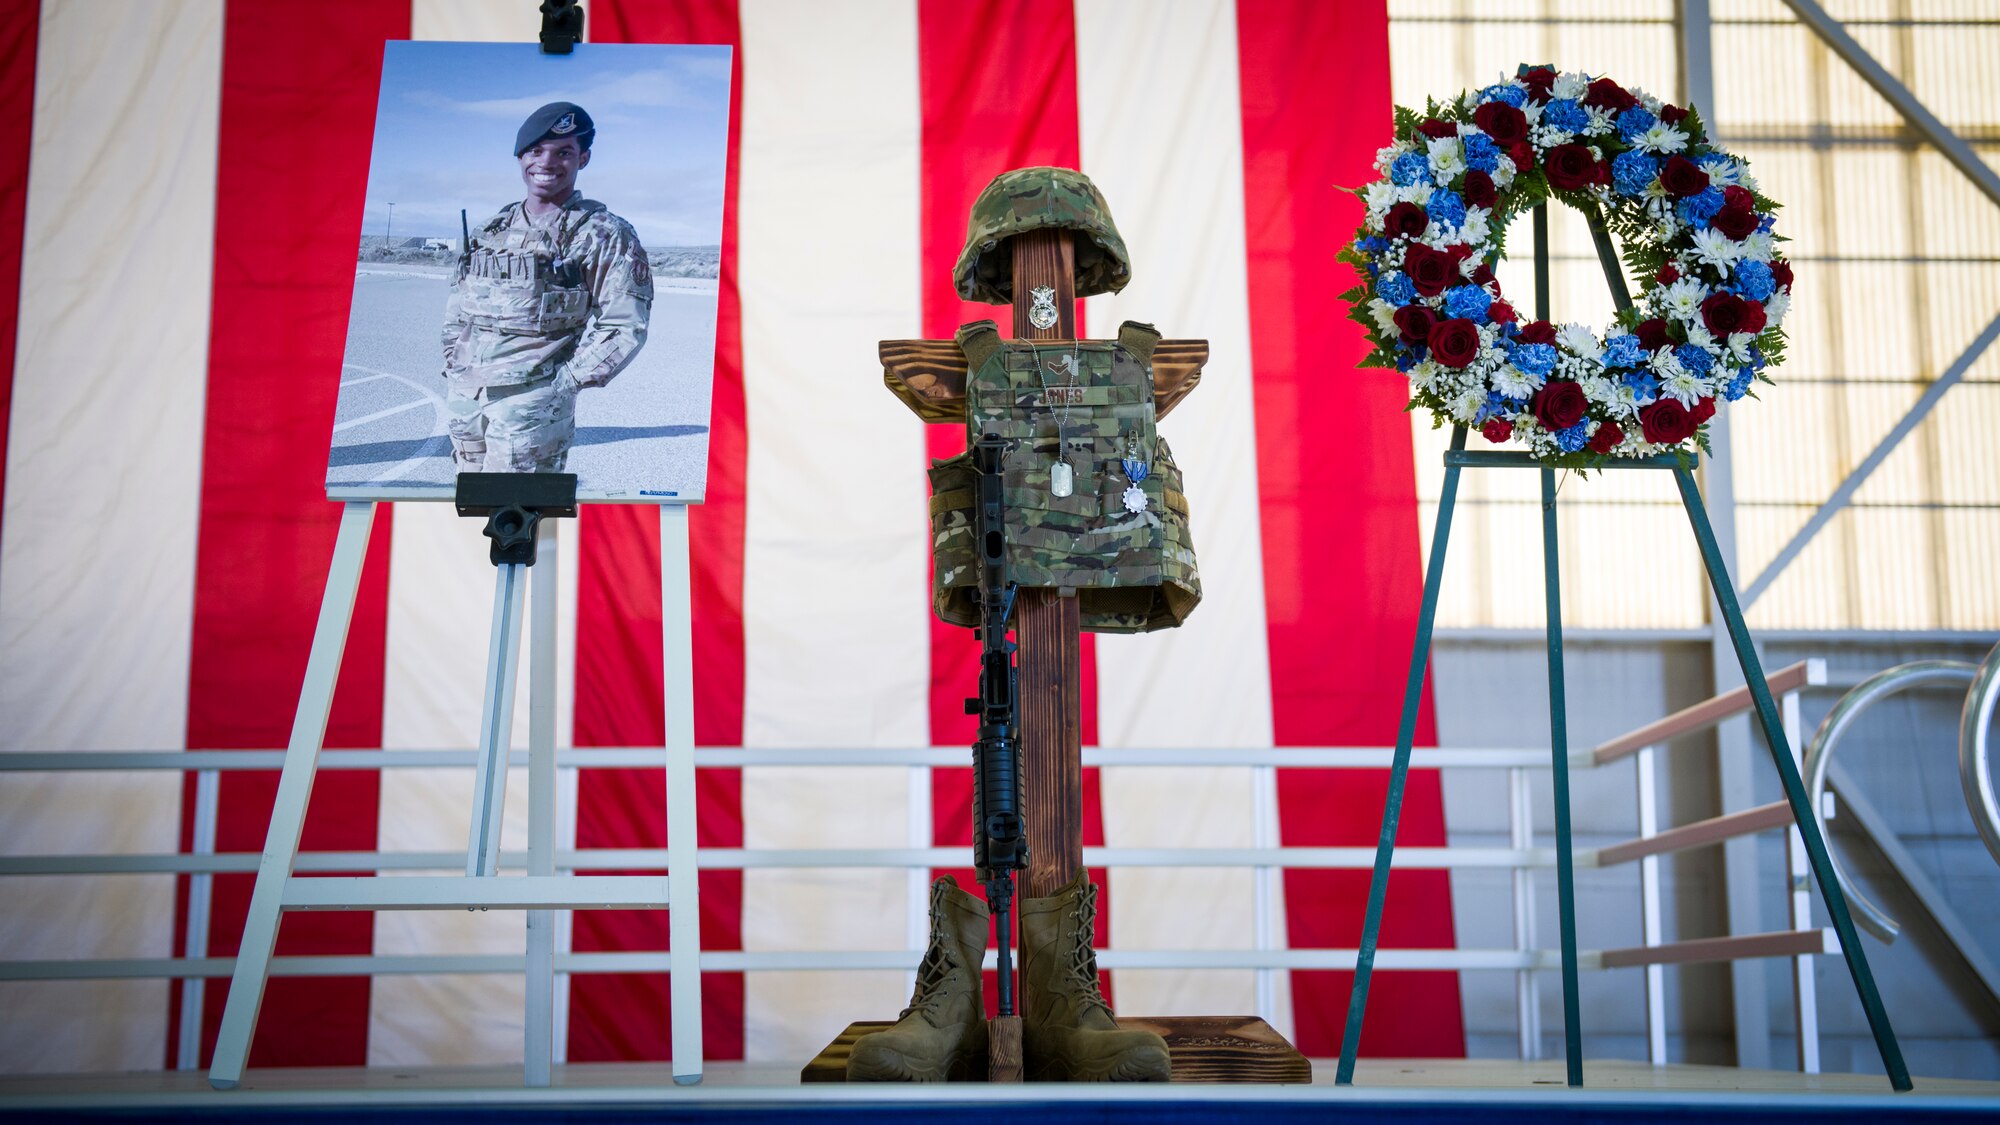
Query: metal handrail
<point>1973,773</point>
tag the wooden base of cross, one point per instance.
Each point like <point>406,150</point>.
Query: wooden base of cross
<point>1459,458</point>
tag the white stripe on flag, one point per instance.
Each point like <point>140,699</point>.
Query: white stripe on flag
<point>440,615</point>
<point>836,639</point>
<point>103,486</point>
<point>1161,135</point>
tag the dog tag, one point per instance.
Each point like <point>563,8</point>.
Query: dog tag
<point>1062,479</point>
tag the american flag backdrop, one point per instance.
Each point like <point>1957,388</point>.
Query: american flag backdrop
<point>182,232</point>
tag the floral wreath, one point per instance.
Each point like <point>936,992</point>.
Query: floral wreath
<point>1690,220</point>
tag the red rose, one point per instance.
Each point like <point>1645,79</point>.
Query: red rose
<point>1725,313</point>
<point>1500,312</point>
<point>1673,114</point>
<point>1704,409</point>
<point>1572,167</point>
<point>1437,130</point>
<point>1559,405</point>
<point>1606,438</point>
<point>1455,343</point>
<point>1537,332</point>
<point>1459,251</point>
<point>1406,219</point>
<point>1502,122</point>
<point>1414,323</point>
<point>1538,81</point>
<point>1431,271</point>
<point>1478,190</point>
<point>1606,94</point>
<point>1652,334</point>
<point>1668,274</point>
<point>1666,422</point>
<point>1682,178</point>
<point>1483,275</point>
<point>1753,317</point>
<point>1781,272</point>
<point>1738,225</point>
<point>1523,155</point>
<point>1497,430</point>
<point>1737,198</point>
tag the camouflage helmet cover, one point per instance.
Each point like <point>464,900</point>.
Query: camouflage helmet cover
<point>1028,199</point>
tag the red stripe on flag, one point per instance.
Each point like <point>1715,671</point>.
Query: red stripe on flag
<point>297,117</point>
<point>998,86</point>
<point>20,30</point>
<point>1342,576</point>
<point>618,695</point>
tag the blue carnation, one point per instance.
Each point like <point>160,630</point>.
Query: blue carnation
<point>1469,301</point>
<point>1633,172</point>
<point>1573,438</point>
<point>1565,114</point>
<point>1697,210</point>
<point>1410,168</point>
<point>1481,154</point>
<point>1372,245</point>
<point>1512,95</point>
<point>1623,351</point>
<point>1633,122</point>
<point>1738,385</point>
<point>1754,280</point>
<point>1535,359</point>
<point>1446,207</point>
<point>1695,359</point>
<point>1397,289</point>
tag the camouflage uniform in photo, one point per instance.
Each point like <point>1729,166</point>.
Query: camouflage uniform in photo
<point>538,311</point>
<point>1133,572</point>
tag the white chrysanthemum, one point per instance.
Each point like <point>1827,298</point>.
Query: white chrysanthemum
<point>1513,382</point>
<point>1447,159</point>
<point>1774,309</point>
<point>1417,193</point>
<point>1546,137</point>
<point>1664,364</point>
<point>1379,197</point>
<point>1739,346</point>
<point>1661,138</point>
<point>1714,248</point>
<point>1761,246</point>
<point>1598,389</point>
<point>1469,266</point>
<point>1424,376</point>
<point>1383,313</point>
<point>1570,86</point>
<point>1475,227</point>
<point>1682,299</point>
<point>1602,121</point>
<point>1651,103</point>
<point>1684,388</point>
<point>1533,112</point>
<point>1625,398</point>
<point>1701,337</point>
<point>1503,173</point>
<point>1722,173</point>
<point>1466,403</point>
<point>1578,339</point>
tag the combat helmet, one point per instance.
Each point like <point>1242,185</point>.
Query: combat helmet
<point>1028,199</point>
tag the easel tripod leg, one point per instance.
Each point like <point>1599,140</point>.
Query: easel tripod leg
<point>1392,809</point>
<point>288,811</point>
<point>539,1039</point>
<point>684,899</point>
<point>496,724</point>
<point>1795,790</point>
<point>1559,772</point>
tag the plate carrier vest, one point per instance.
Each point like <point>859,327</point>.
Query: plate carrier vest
<point>1133,572</point>
<point>526,291</point>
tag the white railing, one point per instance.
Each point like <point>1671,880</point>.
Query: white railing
<point>1266,859</point>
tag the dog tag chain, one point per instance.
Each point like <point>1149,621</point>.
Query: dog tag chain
<point>1062,476</point>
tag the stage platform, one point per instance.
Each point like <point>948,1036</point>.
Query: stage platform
<point>1408,1092</point>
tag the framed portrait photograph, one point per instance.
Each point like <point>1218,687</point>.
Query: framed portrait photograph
<point>537,271</point>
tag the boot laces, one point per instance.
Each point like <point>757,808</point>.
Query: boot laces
<point>935,969</point>
<point>1082,957</point>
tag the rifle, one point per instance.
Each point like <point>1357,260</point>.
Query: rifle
<point>1000,846</point>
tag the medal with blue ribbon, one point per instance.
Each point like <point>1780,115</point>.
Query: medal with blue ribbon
<point>1135,471</point>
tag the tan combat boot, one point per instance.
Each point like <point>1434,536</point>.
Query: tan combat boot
<point>1068,1034</point>
<point>941,1036</point>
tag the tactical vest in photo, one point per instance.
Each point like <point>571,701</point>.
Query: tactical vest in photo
<point>526,285</point>
<point>1133,571</point>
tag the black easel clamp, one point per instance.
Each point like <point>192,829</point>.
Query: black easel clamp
<point>514,505</point>
<point>562,26</point>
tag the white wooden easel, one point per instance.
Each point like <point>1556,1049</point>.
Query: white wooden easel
<point>541,892</point>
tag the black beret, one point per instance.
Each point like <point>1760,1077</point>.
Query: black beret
<point>556,119</point>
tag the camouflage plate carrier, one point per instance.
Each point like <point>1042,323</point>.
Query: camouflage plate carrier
<point>1133,572</point>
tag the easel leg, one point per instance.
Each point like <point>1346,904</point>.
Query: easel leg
<point>1392,809</point>
<point>539,1047</point>
<point>1795,790</point>
<point>288,812</point>
<point>1559,771</point>
<point>684,909</point>
<point>496,724</point>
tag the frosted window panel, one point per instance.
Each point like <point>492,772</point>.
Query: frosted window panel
<point>1876,311</point>
<point>1814,592</point>
<point>1872,409</point>
<point>1972,543</point>
<point>1954,74</point>
<point>1781,443</point>
<point>1762,77</point>
<point>1964,427</point>
<point>1629,566</point>
<point>1870,192</point>
<point>1896,567</point>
